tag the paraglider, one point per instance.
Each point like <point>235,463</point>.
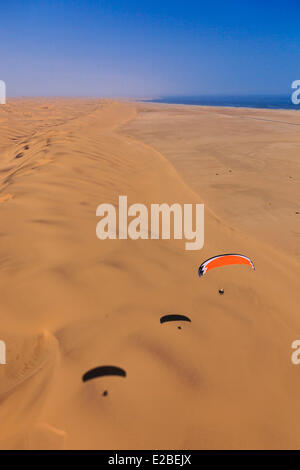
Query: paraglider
<point>224,260</point>
<point>103,371</point>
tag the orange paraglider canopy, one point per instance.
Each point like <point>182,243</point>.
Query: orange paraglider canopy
<point>224,260</point>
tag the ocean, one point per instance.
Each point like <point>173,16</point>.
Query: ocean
<point>250,101</point>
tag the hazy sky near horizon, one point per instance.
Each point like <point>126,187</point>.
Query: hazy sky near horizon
<point>149,48</point>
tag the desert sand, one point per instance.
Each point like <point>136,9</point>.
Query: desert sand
<point>71,302</point>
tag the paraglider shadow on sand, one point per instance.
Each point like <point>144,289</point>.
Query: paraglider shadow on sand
<point>176,318</point>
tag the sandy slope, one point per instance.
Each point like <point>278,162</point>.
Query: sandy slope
<point>71,302</point>
<point>243,162</point>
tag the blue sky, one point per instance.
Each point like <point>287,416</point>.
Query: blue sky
<point>149,48</point>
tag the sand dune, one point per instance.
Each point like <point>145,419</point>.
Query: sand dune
<point>71,302</point>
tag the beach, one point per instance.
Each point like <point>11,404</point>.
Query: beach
<point>72,302</point>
